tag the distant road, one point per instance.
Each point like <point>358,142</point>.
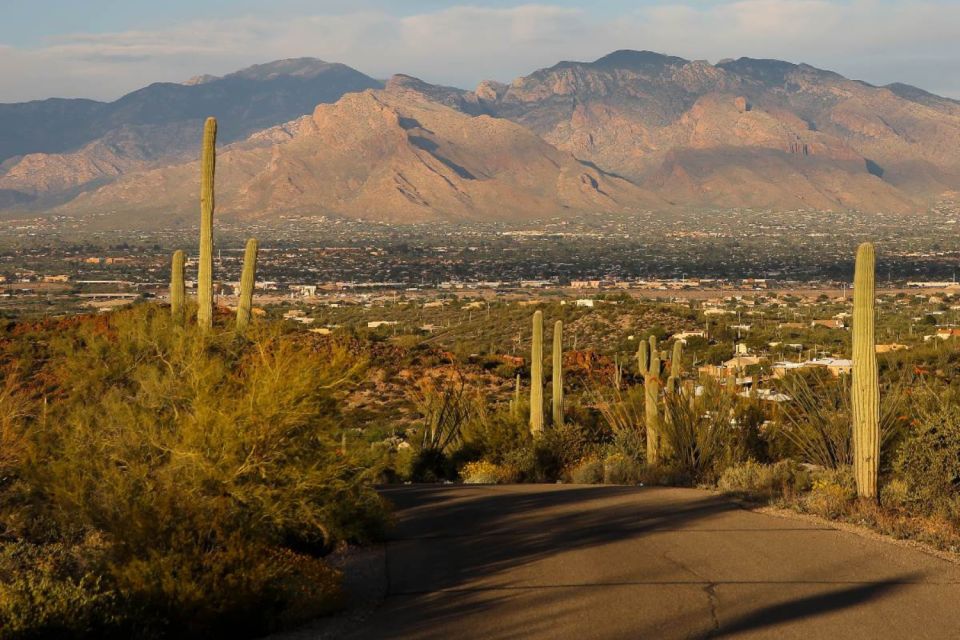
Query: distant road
<point>583,562</point>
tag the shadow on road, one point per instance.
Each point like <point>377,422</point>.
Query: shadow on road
<point>473,554</point>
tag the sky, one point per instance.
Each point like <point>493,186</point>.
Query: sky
<point>102,49</point>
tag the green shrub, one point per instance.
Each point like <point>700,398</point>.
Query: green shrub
<point>51,591</point>
<point>198,459</point>
<point>557,450</point>
<point>929,460</point>
<point>619,469</point>
<point>832,494</point>
<point>588,471</point>
<point>765,481</point>
<point>480,472</point>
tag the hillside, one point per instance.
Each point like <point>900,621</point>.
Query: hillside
<point>390,155</point>
<point>632,130</point>
<point>50,149</point>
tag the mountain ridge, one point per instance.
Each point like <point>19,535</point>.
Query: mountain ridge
<point>660,131</point>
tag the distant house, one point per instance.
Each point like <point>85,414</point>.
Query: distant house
<point>829,323</point>
<point>946,333</point>
<point>683,336</point>
<point>376,324</point>
<point>836,366</point>
<point>887,348</point>
<point>585,302</point>
<point>791,325</point>
<point>585,284</point>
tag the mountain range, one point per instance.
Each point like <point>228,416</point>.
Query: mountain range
<point>633,130</point>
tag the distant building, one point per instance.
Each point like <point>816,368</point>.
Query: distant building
<point>829,323</point>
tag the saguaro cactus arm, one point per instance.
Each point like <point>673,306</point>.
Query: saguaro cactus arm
<point>247,282</point>
<point>866,390</point>
<point>208,160</point>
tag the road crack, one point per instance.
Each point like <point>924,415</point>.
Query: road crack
<point>709,588</point>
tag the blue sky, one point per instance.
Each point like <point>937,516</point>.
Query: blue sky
<point>104,48</point>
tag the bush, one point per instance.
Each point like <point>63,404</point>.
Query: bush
<point>588,471</point>
<point>208,464</point>
<point>481,472</point>
<point>929,460</point>
<point>832,494</point>
<point>557,451</point>
<point>619,469</point>
<point>765,481</point>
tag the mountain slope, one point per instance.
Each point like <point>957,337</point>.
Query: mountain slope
<point>739,129</point>
<point>51,147</point>
<point>390,155</point>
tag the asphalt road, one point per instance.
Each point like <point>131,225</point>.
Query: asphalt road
<point>583,562</point>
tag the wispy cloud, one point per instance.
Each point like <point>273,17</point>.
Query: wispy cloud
<point>876,40</point>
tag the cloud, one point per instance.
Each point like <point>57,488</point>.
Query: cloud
<point>879,41</point>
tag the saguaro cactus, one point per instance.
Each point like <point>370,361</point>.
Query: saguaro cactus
<point>648,361</point>
<point>247,281</point>
<point>515,403</point>
<point>177,288</point>
<point>208,161</point>
<point>676,367</point>
<point>557,399</point>
<point>536,376</point>
<point>866,389</point>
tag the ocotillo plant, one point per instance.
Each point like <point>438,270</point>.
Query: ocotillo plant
<point>208,160</point>
<point>247,281</point>
<point>866,390</point>
<point>536,376</point>
<point>648,361</point>
<point>557,399</point>
<point>177,288</point>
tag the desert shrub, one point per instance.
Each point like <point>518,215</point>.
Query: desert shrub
<point>557,450</point>
<point>832,494</point>
<point>765,481</point>
<point>587,471</point>
<point>619,469</point>
<point>494,435</point>
<point>697,430</point>
<point>816,421</point>
<point>52,591</point>
<point>895,494</point>
<point>929,460</point>
<point>201,460</point>
<point>518,465</point>
<point>480,472</point>
<point>444,407</point>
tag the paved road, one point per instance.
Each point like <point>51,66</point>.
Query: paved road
<point>586,562</point>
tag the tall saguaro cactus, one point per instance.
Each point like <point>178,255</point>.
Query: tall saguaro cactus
<point>866,389</point>
<point>177,288</point>
<point>247,281</point>
<point>536,376</point>
<point>208,161</point>
<point>557,398</point>
<point>648,361</point>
